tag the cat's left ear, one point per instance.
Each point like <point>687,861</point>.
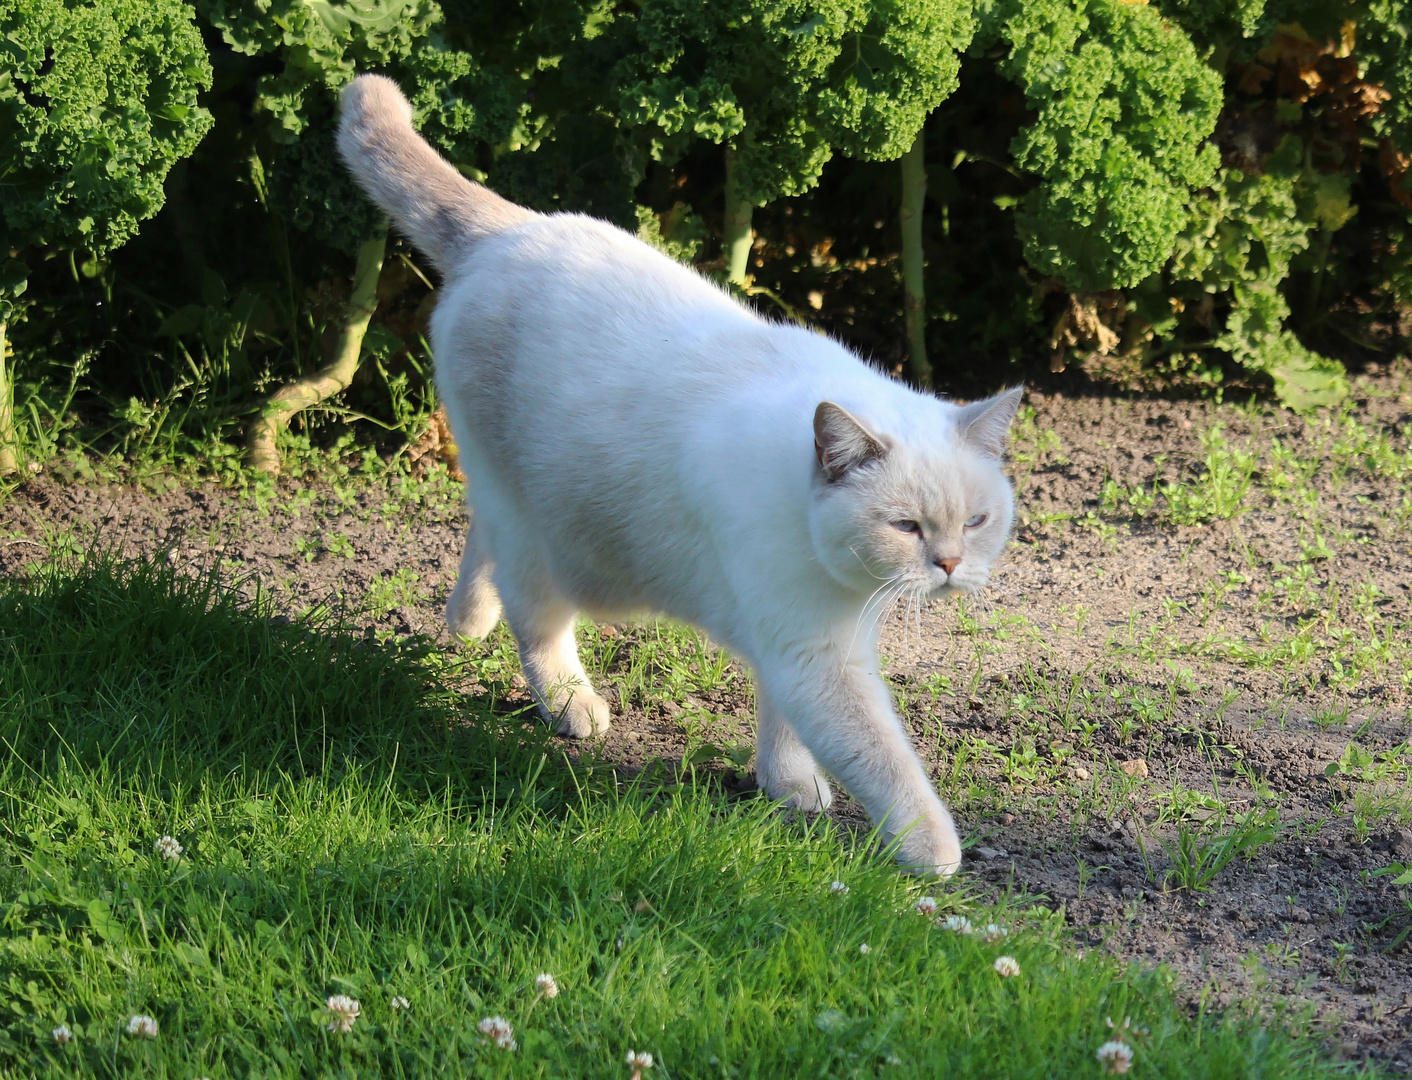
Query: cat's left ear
<point>986,424</point>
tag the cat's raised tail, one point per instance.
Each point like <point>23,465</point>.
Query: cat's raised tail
<point>441,211</point>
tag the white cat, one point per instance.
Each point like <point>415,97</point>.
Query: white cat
<point>634,439</point>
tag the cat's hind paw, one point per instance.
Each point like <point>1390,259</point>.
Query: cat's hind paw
<point>472,612</point>
<point>810,794</point>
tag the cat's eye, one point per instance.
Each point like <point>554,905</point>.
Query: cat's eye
<point>907,525</point>
<point>977,521</point>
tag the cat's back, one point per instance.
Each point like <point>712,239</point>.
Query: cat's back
<point>564,290</point>
<point>571,327</point>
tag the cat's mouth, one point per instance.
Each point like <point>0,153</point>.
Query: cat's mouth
<point>951,586</point>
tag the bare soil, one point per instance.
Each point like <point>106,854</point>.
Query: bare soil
<point>1125,679</point>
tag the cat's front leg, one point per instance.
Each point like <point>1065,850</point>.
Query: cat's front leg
<point>842,712</point>
<point>784,768</point>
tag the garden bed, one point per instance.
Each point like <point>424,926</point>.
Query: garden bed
<point>1202,634</point>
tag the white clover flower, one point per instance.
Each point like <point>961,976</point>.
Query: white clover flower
<point>838,887</point>
<point>1115,1057</point>
<point>169,848</point>
<point>399,1003</point>
<point>993,932</point>
<point>927,905</point>
<point>545,984</point>
<point>498,1030</point>
<point>63,1035</point>
<point>864,949</point>
<point>1007,967</point>
<point>639,1063</point>
<point>344,1011</point>
<point>957,924</point>
<point>143,1026</point>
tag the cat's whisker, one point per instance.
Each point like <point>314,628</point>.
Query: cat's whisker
<point>913,596</point>
<point>899,595</point>
<point>903,595</point>
<point>885,588</point>
<point>880,589</point>
<point>868,569</point>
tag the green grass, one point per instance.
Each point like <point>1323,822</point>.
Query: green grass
<point>351,824</point>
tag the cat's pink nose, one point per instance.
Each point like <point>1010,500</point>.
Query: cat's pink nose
<point>949,565</point>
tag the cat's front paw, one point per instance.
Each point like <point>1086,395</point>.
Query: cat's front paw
<point>585,714</point>
<point>931,847</point>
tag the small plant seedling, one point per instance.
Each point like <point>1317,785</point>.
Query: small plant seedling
<point>337,544</point>
<point>1343,958</point>
<point>1183,678</point>
<point>1332,717</point>
<point>398,589</point>
<point>1186,804</point>
<point>1086,874</point>
<point>937,684</point>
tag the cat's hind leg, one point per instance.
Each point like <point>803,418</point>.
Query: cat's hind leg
<point>543,625</point>
<point>784,768</point>
<point>474,606</point>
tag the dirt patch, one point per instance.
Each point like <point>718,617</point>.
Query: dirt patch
<point>1203,628</point>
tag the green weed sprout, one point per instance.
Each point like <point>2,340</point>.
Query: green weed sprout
<point>1197,857</point>
<point>97,103</point>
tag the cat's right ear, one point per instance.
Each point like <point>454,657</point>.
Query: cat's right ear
<point>841,443</point>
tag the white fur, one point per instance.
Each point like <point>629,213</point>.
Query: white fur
<point>635,440</point>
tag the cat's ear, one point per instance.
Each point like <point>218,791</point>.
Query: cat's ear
<point>986,424</point>
<point>841,443</point>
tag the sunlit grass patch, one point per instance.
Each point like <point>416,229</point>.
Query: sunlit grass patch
<point>236,846</point>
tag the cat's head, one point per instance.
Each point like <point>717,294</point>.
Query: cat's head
<point>927,513</point>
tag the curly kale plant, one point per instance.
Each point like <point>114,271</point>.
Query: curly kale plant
<point>1241,238</point>
<point>1124,108</point>
<point>782,84</point>
<point>97,101</point>
<point>1220,22</point>
<point>1385,40</point>
<point>320,47</point>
